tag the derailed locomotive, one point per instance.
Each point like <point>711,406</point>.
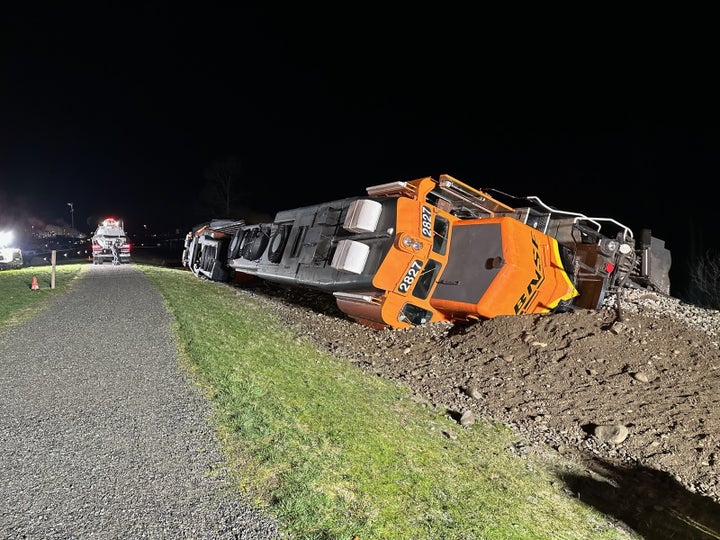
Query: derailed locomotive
<point>426,250</point>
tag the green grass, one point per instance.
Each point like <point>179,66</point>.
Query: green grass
<point>18,301</point>
<point>335,452</point>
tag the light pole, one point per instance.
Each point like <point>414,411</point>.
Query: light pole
<point>72,215</point>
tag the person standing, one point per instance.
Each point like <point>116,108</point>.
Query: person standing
<point>116,252</point>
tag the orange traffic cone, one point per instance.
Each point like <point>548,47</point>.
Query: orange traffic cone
<point>34,286</point>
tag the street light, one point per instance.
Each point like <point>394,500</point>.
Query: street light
<point>72,215</point>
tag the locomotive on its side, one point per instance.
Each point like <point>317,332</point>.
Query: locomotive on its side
<point>428,250</point>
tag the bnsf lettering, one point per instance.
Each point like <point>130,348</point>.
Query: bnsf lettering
<point>426,226</point>
<point>410,276</point>
<point>534,285</point>
<point>530,293</point>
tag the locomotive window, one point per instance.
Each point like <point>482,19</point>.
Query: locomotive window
<point>440,232</point>
<point>426,279</point>
<point>414,315</point>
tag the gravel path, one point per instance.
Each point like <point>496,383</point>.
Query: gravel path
<point>101,433</point>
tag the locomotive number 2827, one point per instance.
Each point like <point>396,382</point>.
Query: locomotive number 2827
<point>410,276</point>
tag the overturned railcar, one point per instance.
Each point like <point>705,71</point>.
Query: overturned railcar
<point>413,252</point>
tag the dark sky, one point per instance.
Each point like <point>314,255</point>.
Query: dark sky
<point>119,108</point>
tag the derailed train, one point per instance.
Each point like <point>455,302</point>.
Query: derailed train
<point>426,250</point>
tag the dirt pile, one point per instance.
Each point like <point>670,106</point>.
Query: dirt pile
<point>634,399</point>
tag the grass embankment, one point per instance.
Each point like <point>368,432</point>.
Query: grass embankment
<point>336,452</point>
<point>333,451</point>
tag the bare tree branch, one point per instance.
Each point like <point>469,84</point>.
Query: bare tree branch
<point>222,178</point>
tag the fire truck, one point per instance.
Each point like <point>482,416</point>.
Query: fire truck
<point>109,243</point>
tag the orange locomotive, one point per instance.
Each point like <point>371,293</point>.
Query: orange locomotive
<point>430,250</point>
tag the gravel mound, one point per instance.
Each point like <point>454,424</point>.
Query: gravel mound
<point>102,434</point>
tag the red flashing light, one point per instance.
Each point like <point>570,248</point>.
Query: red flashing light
<point>609,267</point>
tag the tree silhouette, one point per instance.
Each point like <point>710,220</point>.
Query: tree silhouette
<point>221,192</point>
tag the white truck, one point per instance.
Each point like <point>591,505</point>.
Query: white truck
<point>10,257</point>
<point>110,243</point>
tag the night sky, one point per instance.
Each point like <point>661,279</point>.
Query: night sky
<point>120,107</point>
